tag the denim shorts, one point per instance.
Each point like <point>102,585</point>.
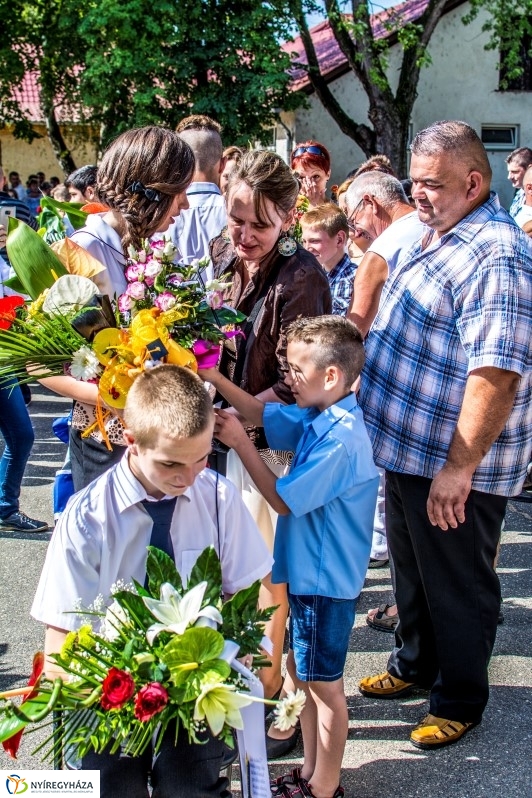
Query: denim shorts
<point>319,635</point>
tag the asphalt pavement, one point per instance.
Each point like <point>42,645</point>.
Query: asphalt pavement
<point>492,761</point>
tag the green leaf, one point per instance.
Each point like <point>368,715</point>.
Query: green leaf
<point>15,285</point>
<point>10,724</point>
<point>207,569</point>
<point>160,569</point>
<point>35,264</point>
<point>77,217</point>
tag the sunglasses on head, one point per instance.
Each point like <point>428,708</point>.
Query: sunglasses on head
<point>312,149</point>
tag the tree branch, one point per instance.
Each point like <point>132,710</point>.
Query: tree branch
<point>361,134</point>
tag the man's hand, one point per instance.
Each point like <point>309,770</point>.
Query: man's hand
<point>229,430</point>
<point>447,497</point>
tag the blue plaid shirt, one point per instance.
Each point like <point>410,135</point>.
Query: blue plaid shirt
<point>517,203</point>
<point>341,280</point>
<point>462,303</point>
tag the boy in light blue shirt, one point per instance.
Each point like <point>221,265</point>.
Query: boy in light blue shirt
<point>326,505</point>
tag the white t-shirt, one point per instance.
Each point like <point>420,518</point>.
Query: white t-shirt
<point>103,243</point>
<point>103,533</point>
<point>523,215</point>
<point>397,238</point>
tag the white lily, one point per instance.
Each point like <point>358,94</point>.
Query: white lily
<point>176,612</point>
<point>219,703</point>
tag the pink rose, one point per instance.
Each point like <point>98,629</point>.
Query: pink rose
<point>153,267</point>
<point>124,303</point>
<point>150,699</point>
<point>158,243</point>
<point>214,299</point>
<point>149,281</point>
<point>165,301</point>
<point>136,290</point>
<point>134,272</point>
<point>175,279</point>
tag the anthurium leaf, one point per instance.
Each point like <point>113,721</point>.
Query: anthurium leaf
<point>196,645</point>
<point>207,569</point>
<point>160,569</point>
<point>34,263</point>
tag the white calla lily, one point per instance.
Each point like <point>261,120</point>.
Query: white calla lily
<point>220,703</point>
<point>176,612</point>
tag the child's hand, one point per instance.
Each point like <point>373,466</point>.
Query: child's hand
<point>3,236</point>
<point>228,429</point>
<point>208,375</point>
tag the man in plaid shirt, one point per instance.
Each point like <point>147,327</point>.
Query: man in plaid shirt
<point>446,398</point>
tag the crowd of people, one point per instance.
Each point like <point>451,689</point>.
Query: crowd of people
<point>376,410</point>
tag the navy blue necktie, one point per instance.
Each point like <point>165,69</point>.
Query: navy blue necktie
<point>161,513</point>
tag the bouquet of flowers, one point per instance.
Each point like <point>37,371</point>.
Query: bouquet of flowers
<point>302,206</point>
<point>167,314</point>
<point>157,655</point>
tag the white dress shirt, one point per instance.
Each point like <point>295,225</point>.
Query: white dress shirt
<point>103,533</point>
<point>204,220</point>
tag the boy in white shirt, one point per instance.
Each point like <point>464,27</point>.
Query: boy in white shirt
<point>102,537</point>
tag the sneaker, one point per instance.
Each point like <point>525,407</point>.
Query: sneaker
<point>19,522</point>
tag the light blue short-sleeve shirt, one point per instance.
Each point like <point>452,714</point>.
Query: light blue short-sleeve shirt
<point>322,546</point>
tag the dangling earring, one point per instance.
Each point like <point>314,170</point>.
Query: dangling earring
<point>286,244</point>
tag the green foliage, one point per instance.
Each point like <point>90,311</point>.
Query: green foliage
<point>119,65</point>
<point>509,23</point>
<point>161,568</point>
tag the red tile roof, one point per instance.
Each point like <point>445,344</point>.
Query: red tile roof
<point>331,59</point>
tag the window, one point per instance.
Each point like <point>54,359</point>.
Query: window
<point>500,137</point>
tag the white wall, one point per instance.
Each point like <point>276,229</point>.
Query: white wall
<point>461,83</point>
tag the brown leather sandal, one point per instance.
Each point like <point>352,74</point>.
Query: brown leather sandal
<point>381,621</point>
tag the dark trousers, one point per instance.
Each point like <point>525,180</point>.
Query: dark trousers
<point>448,596</point>
<point>180,770</point>
<point>16,428</point>
<point>89,458</point>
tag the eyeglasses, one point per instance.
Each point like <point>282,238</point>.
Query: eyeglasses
<point>352,220</point>
<point>312,149</point>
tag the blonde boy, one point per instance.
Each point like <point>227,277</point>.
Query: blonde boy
<point>102,537</point>
<point>325,234</point>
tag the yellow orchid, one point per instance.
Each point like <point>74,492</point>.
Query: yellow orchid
<point>220,703</point>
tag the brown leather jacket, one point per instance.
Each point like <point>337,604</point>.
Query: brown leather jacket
<point>299,289</point>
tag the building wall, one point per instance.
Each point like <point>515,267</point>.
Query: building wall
<point>461,83</point>
<point>19,156</point>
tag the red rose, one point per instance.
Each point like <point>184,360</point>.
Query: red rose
<point>150,699</point>
<point>8,306</point>
<point>118,687</point>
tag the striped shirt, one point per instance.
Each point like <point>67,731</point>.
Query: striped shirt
<point>462,303</point>
<point>22,212</point>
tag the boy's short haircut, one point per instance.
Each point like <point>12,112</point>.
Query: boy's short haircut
<point>338,342</point>
<point>83,178</point>
<point>167,400</point>
<point>326,217</point>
